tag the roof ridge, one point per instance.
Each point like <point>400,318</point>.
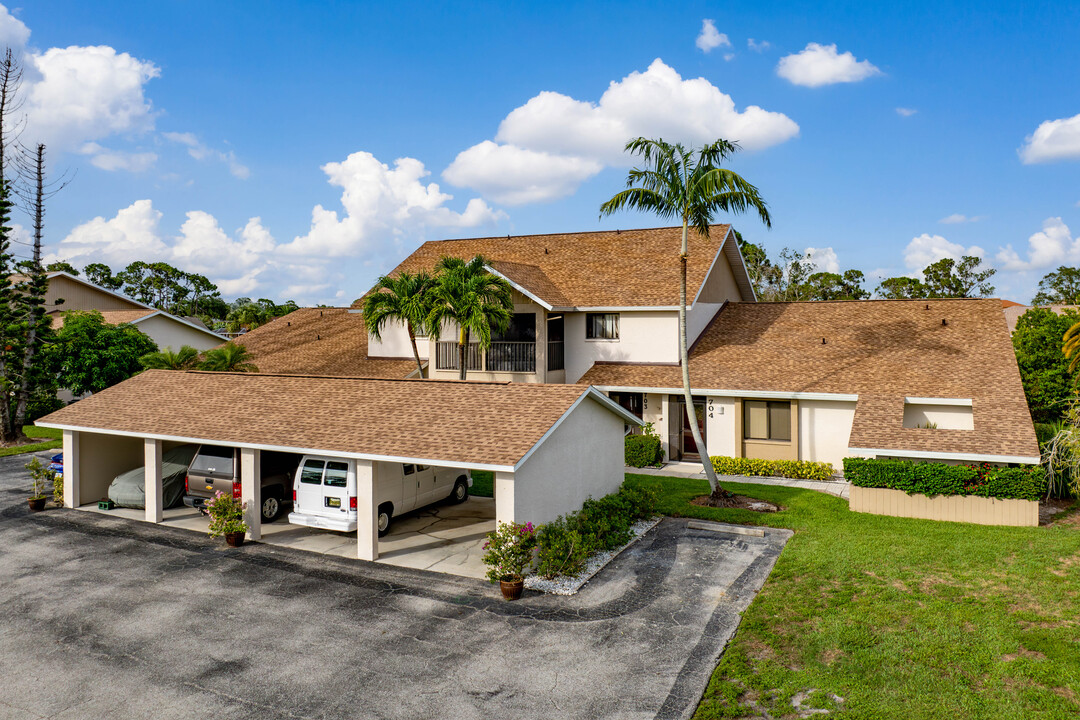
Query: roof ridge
<point>571,232</point>
<point>426,381</point>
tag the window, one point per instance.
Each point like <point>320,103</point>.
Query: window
<point>766,420</point>
<point>630,401</point>
<point>408,469</point>
<point>312,472</point>
<point>601,326</point>
<point>337,474</point>
<point>212,459</point>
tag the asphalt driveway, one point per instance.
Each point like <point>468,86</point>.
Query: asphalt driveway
<point>102,617</point>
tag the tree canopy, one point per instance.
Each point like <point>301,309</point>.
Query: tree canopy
<point>947,278</point>
<point>1044,369</point>
<point>90,355</point>
<point>1060,287</point>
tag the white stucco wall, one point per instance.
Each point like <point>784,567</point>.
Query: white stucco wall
<point>720,426</point>
<point>169,333</point>
<point>583,458</point>
<point>698,318</point>
<point>947,417</point>
<point>824,431</point>
<point>395,343</point>
<point>650,336</point>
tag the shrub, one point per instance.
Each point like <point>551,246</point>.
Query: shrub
<point>42,477</point>
<point>798,469</point>
<point>644,450</point>
<point>567,543</point>
<point>226,515</point>
<point>930,478</point>
<point>58,488</point>
<point>509,551</point>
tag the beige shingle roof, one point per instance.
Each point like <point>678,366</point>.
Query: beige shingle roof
<point>882,350</point>
<point>627,268</point>
<point>112,317</point>
<point>477,423</point>
<point>319,341</point>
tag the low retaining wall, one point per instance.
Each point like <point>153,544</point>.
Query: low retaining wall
<point>957,508</point>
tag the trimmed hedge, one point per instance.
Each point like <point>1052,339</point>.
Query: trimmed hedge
<point>929,478</point>
<point>643,450</point>
<point>798,469</point>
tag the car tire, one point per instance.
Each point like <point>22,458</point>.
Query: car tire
<point>460,493</point>
<point>271,508</point>
<point>383,518</point>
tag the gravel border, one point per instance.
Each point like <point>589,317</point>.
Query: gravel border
<point>570,584</point>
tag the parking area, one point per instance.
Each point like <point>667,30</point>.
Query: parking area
<point>104,617</point>
<point>441,538</point>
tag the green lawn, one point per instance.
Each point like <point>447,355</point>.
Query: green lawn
<point>483,483</point>
<point>900,618</point>
<point>51,440</point>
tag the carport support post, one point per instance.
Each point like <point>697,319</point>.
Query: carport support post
<point>367,525</point>
<point>504,497</point>
<point>153,489</point>
<point>71,469</point>
<point>251,490</point>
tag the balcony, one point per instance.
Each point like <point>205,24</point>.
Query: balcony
<point>555,358</point>
<point>512,357</point>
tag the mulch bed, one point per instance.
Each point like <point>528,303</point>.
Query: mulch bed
<point>736,501</point>
<point>1055,510</point>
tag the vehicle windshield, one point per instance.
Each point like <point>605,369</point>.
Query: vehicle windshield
<point>213,459</point>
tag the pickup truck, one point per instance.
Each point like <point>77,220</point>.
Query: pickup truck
<point>324,491</point>
<point>215,469</point>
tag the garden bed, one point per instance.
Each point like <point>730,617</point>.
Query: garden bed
<point>569,585</point>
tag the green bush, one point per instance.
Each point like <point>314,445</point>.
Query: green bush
<point>798,469</point>
<point>644,450</point>
<point>567,543</point>
<point>930,478</point>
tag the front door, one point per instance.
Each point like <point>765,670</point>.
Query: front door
<point>690,448</point>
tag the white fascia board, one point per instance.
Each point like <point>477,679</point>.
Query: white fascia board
<point>757,394</point>
<point>963,457</point>
<point>542,303</point>
<point>281,448</point>
<point>180,320</point>
<point>635,308</point>
<point>589,392</point>
<point>958,402</point>
<point>69,276</point>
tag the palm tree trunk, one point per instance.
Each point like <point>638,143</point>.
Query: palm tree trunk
<point>415,352</point>
<point>463,347</point>
<point>684,361</point>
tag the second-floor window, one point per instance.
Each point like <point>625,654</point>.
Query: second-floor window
<point>601,326</point>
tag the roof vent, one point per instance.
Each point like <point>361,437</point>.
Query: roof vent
<point>318,337</point>
<point>822,341</point>
<point>545,251</point>
<point>944,321</point>
<point>288,324</point>
<point>927,306</point>
<point>618,232</point>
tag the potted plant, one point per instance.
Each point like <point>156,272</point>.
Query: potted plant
<point>42,477</point>
<point>227,518</point>
<point>509,553</point>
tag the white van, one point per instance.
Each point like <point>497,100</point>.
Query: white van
<point>324,491</point>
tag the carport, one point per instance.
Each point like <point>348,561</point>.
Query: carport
<point>550,447</point>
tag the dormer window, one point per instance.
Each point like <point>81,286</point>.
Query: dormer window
<point>601,326</point>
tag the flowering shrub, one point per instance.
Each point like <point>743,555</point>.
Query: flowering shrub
<point>798,469</point>
<point>42,477</point>
<point>226,515</point>
<point>509,551</point>
<point>931,478</point>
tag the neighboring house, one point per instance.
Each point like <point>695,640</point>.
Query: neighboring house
<point>67,292</point>
<point>811,381</point>
<point>1013,311</point>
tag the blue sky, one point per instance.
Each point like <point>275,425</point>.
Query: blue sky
<point>289,149</point>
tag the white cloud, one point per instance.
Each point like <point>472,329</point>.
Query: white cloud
<point>709,38</point>
<point>905,112</point>
<point>819,65</point>
<point>959,218</point>
<point>927,249</point>
<point>1053,245</point>
<point>510,175</point>
<point>200,151</point>
<point>13,32</point>
<point>823,259</point>
<point>112,160</point>
<point>85,94</point>
<point>1053,140</point>
<point>553,142</point>
<point>758,47</point>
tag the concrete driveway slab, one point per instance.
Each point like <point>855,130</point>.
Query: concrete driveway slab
<point>107,618</point>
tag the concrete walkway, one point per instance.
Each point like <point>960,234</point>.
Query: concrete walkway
<point>837,487</point>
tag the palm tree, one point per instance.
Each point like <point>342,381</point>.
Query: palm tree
<point>404,298</point>
<point>186,359</point>
<point>1070,344</point>
<point>229,357</point>
<point>472,298</point>
<point>688,184</point>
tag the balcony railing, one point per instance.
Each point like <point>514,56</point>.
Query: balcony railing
<point>555,359</point>
<point>516,357</point>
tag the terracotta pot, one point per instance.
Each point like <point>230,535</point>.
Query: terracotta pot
<point>512,589</point>
<point>36,504</point>
<point>234,539</point>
